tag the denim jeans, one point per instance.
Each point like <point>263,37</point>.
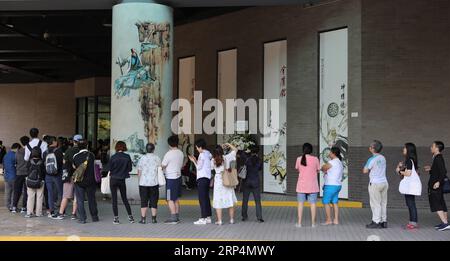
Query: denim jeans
<point>52,183</point>
<point>411,203</point>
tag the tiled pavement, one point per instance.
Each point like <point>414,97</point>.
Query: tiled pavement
<point>279,225</point>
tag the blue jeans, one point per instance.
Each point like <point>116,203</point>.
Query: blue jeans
<point>52,183</point>
<point>411,203</point>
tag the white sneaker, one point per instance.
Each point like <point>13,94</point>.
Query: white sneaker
<point>219,223</point>
<point>201,221</point>
<point>297,225</point>
<point>208,220</point>
<point>231,221</point>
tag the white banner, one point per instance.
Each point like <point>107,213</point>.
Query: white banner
<point>334,98</point>
<point>275,83</point>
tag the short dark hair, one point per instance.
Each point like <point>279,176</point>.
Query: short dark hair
<point>201,143</point>
<point>82,144</point>
<point>15,146</point>
<point>121,146</point>
<point>24,140</point>
<point>173,141</point>
<point>150,148</point>
<point>377,146</point>
<point>50,139</point>
<point>34,133</point>
<point>440,145</point>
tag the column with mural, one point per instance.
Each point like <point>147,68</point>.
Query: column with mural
<point>141,94</point>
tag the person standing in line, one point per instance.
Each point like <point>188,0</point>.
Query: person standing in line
<point>223,197</point>
<point>120,168</point>
<point>148,183</point>
<point>9,173</point>
<point>172,164</point>
<point>68,185</point>
<point>2,151</point>
<point>35,183</point>
<point>203,166</point>
<point>251,183</point>
<point>53,160</point>
<point>412,184</point>
<point>438,173</point>
<point>20,188</point>
<point>35,142</point>
<point>333,174</point>
<point>308,168</point>
<point>378,186</point>
<point>88,185</point>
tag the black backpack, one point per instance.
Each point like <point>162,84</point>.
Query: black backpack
<point>34,179</point>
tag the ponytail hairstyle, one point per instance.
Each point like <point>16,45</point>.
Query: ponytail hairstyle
<point>337,152</point>
<point>218,156</point>
<point>307,150</point>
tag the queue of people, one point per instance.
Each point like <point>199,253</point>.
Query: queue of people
<point>44,172</point>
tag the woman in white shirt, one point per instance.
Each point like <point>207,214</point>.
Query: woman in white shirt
<point>223,197</point>
<point>333,173</point>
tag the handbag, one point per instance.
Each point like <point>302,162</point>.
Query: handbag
<point>446,186</point>
<point>105,188</point>
<point>161,177</point>
<point>243,172</point>
<point>78,174</point>
<point>411,185</point>
<point>230,178</point>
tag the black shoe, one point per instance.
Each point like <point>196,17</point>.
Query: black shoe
<point>116,221</point>
<point>143,221</point>
<point>244,219</point>
<point>95,219</point>
<point>154,221</point>
<point>260,220</point>
<point>373,225</point>
<point>131,219</point>
<point>74,217</point>
<point>384,225</point>
<point>81,221</point>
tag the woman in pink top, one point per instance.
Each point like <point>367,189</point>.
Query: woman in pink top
<point>308,185</point>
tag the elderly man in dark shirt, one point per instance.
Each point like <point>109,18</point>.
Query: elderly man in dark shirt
<point>438,173</point>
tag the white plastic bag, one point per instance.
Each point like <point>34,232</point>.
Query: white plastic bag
<point>411,185</point>
<point>105,188</point>
<point>161,177</point>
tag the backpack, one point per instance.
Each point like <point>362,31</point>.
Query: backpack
<point>38,146</point>
<point>51,164</point>
<point>78,174</point>
<point>34,179</point>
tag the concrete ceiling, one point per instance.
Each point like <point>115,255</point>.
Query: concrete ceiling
<point>28,5</point>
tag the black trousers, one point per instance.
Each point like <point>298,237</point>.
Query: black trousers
<point>92,202</point>
<point>256,195</point>
<point>19,190</point>
<point>411,203</point>
<point>203,197</point>
<point>119,184</point>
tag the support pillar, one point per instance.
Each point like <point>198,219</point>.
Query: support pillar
<point>141,75</point>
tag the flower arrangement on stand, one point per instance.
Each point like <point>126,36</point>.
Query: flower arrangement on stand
<point>242,141</point>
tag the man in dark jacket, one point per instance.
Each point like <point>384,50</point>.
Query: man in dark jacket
<point>87,185</point>
<point>438,173</point>
<point>22,172</point>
